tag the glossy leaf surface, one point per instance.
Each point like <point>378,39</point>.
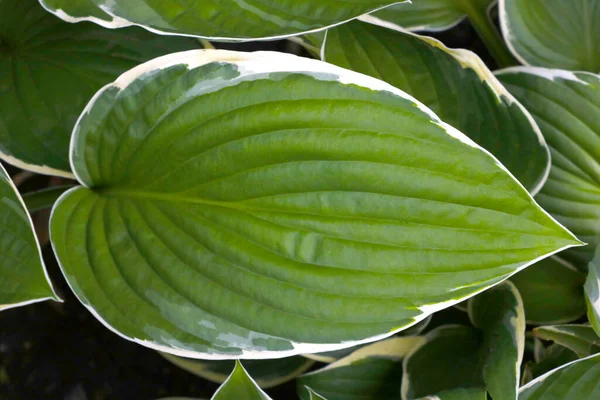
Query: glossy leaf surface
<point>580,338</point>
<point>23,279</point>
<point>483,359</point>
<point>239,385</point>
<point>224,19</point>
<point>553,33</point>
<point>592,292</point>
<point>266,373</point>
<point>241,205</point>
<point>554,356</point>
<point>373,372</point>
<point>565,106</point>
<point>577,380</point>
<point>50,69</point>
<point>455,84</point>
<point>431,15</point>
<point>552,292</point>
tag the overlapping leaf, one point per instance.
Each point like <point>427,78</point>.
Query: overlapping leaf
<point>566,107</point>
<point>455,84</point>
<point>552,292</point>
<point>23,279</point>
<point>216,20</point>
<point>373,372</point>
<point>239,385</point>
<point>580,338</point>
<point>480,360</point>
<point>266,373</point>
<point>50,69</point>
<point>553,33</point>
<point>238,205</point>
<point>577,380</point>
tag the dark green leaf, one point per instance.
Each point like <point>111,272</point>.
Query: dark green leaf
<point>580,338</point>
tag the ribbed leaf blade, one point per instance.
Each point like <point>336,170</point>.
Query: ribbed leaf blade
<point>240,385</point>
<point>23,278</point>
<point>565,106</point>
<point>251,205</point>
<point>553,33</point>
<point>455,84</point>
<point>220,20</point>
<point>50,69</point>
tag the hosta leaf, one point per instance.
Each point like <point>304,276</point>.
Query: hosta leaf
<point>216,20</point>
<point>431,15</point>
<point>592,292</point>
<point>373,372</point>
<point>580,338</point>
<point>239,385</point>
<point>314,395</point>
<point>455,84</point>
<point>459,394</point>
<point>499,314</point>
<point>553,33</point>
<point>577,380</point>
<point>566,107</point>
<point>241,205</point>
<point>50,69</point>
<point>487,358</point>
<point>448,348</point>
<point>23,277</point>
<point>266,373</point>
<point>552,292</point>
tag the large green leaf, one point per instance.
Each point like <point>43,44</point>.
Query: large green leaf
<point>553,33</point>
<point>217,20</point>
<point>432,15</point>
<point>23,277</point>
<point>455,84</point>
<point>458,357</point>
<point>240,204</point>
<point>50,69</point>
<point>239,385</point>
<point>580,338</point>
<point>565,106</point>
<point>577,380</point>
<point>266,373</point>
<point>552,291</point>
<point>373,372</point>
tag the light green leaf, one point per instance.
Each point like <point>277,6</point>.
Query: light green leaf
<point>239,385</point>
<point>242,205</point>
<point>266,373</point>
<point>499,314</point>
<point>577,380</point>
<point>552,291</point>
<point>50,69</point>
<point>565,106</point>
<point>554,357</point>
<point>431,15</point>
<point>553,33</point>
<point>455,84</point>
<point>314,395</point>
<point>580,338</point>
<point>487,358</point>
<point>223,20</point>
<point>592,292</point>
<point>23,277</point>
<point>373,372</point>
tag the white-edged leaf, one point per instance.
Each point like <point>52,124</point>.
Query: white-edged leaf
<point>582,339</point>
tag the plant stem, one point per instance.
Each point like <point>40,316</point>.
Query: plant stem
<point>206,44</point>
<point>488,33</point>
<point>45,198</point>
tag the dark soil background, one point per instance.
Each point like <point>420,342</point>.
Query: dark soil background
<point>59,351</point>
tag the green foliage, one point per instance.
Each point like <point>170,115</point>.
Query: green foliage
<point>280,209</point>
